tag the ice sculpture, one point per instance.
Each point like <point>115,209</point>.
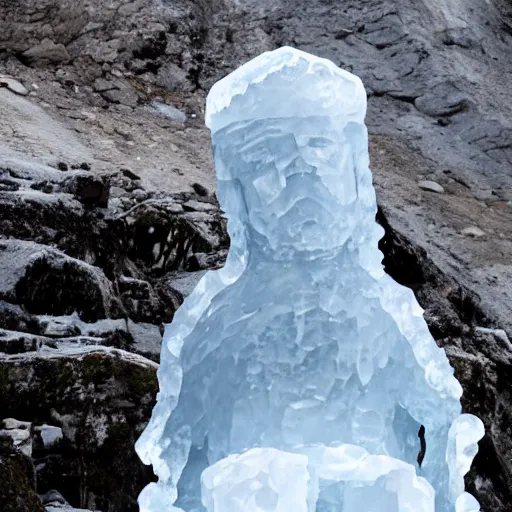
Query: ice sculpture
<point>268,479</point>
<point>301,347</point>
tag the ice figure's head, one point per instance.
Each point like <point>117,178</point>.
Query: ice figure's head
<point>285,83</point>
<point>291,155</point>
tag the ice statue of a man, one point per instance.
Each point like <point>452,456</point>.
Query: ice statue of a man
<point>301,340</point>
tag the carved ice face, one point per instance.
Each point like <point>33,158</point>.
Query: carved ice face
<point>298,181</point>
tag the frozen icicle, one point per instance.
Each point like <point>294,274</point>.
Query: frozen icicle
<point>301,339</point>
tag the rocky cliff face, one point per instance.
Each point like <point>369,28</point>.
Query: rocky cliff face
<point>109,217</point>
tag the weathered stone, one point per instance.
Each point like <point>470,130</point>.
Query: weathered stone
<point>56,328</point>
<point>431,186</point>
<point>54,498</point>
<point>67,331</point>
<point>139,195</point>
<point>47,52</point>
<point>497,333</point>
<point>473,231</point>
<point>460,36</point>
<point>184,282</point>
<point>444,99</point>
<point>147,339</point>
<point>123,96</point>
<point>116,192</point>
<point>14,424</point>
<point>482,361</point>
<point>204,261</point>
<point>130,174</point>
<point>13,317</point>
<point>55,502</point>
<point>200,189</point>
<point>163,241</point>
<point>199,206</point>
<point>89,189</point>
<point>20,434</point>
<point>101,399</point>
<point>64,508</point>
<point>103,85</point>
<point>174,208</point>
<point>46,436</point>
<point>103,51</point>
<point>8,185</point>
<point>139,299</point>
<point>170,112</point>
<point>46,281</point>
<point>18,342</point>
<point>17,480</point>
<point>13,85</point>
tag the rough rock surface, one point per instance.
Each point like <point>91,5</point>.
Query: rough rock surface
<point>90,168</point>
<point>86,258</point>
<point>55,502</point>
<point>100,398</point>
<point>17,477</point>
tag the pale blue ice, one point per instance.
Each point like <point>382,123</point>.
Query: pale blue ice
<point>298,376</point>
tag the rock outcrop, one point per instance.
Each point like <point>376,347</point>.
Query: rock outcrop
<point>17,477</point>
<point>100,399</point>
<point>88,260</point>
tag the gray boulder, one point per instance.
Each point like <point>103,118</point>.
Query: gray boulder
<point>101,399</point>
<point>47,52</point>
<point>17,480</point>
<point>47,281</point>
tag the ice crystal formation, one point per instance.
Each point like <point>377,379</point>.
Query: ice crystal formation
<point>297,378</point>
